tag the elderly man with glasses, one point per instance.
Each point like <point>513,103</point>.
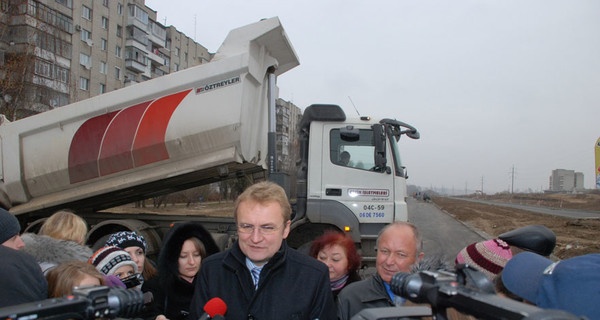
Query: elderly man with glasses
<point>260,277</point>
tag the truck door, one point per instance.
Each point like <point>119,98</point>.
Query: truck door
<point>355,172</point>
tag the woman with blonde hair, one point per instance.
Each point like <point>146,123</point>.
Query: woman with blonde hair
<point>64,277</point>
<point>65,225</point>
<point>61,239</point>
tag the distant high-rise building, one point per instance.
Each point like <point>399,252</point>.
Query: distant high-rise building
<point>288,117</point>
<point>56,52</point>
<point>563,180</point>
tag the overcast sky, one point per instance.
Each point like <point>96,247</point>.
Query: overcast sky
<point>490,84</point>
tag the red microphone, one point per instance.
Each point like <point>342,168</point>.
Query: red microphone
<point>214,307</point>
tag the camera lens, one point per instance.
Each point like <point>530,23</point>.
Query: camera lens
<point>124,303</point>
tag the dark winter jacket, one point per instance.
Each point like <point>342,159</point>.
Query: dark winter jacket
<point>371,293</point>
<point>50,252</point>
<point>172,295</point>
<point>354,277</point>
<point>368,293</point>
<point>21,278</point>
<point>174,302</point>
<point>292,285</point>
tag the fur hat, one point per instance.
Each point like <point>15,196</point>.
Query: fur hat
<point>108,259</point>
<point>489,256</point>
<point>9,225</point>
<point>124,239</point>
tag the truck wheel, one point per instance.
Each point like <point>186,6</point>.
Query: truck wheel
<point>101,242</point>
<point>100,233</point>
<point>221,239</point>
<point>35,226</point>
<point>305,248</point>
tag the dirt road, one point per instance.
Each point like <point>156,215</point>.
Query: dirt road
<point>574,236</point>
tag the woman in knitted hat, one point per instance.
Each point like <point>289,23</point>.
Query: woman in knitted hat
<point>491,256</point>
<point>488,256</point>
<point>136,246</point>
<point>114,261</point>
<point>184,247</point>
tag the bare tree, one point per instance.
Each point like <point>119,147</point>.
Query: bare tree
<point>17,68</point>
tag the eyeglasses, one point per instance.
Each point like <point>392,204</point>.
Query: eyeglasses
<point>264,230</point>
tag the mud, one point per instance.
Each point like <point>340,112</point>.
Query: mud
<point>574,236</point>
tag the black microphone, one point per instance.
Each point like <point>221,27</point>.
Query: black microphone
<point>215,308</point>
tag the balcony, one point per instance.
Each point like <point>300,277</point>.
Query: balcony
<point>157,40</point>
<point>156,59</point>
<point>135,65</point>
<point>132,21</point>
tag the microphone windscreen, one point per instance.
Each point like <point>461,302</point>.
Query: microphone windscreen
<point>215,306</point>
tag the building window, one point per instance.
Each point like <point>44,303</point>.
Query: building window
<point>176,67</point>
<point>43,68</point>
<point>117,73</point>
<point>103,67</point>
<point>130,76</point>
<point>141,15</point>
<point>102,88</point>
<point>103,44</point>
<point>85,60</point>
<point>85,35</point>
<point>177,52</point>
<point>119,31</point>
<point>62,74</point>
<point>66,3</point>
<point>185,56</point>
<point>118,51</point>
<point>119,9</point>
<point>86,13</point>
<point>105,3</point>
<point>104,23</point>
<point>84,83</point>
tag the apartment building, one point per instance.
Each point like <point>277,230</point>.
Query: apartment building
<point>563,180</point>
<point>55,52</point>
<point>288,117</point>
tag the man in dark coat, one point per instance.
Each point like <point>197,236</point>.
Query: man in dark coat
<point>21,278</point>
<point>398,248</point>
<point>9,231</point>
<point>261,277</point>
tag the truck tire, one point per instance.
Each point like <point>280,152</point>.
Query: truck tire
<point>222,240</point>
<point>99,234</point>
<point>35,226</point>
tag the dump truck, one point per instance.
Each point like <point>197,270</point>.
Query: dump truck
<point>197,126</point>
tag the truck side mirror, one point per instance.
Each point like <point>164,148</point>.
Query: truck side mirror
<point>379,141</point>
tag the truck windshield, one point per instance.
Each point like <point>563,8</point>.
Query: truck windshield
<point>357,153</point>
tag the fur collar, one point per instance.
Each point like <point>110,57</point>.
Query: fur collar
<point>54,251</point>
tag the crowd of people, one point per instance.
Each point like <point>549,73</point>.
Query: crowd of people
<point>260,277</point>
